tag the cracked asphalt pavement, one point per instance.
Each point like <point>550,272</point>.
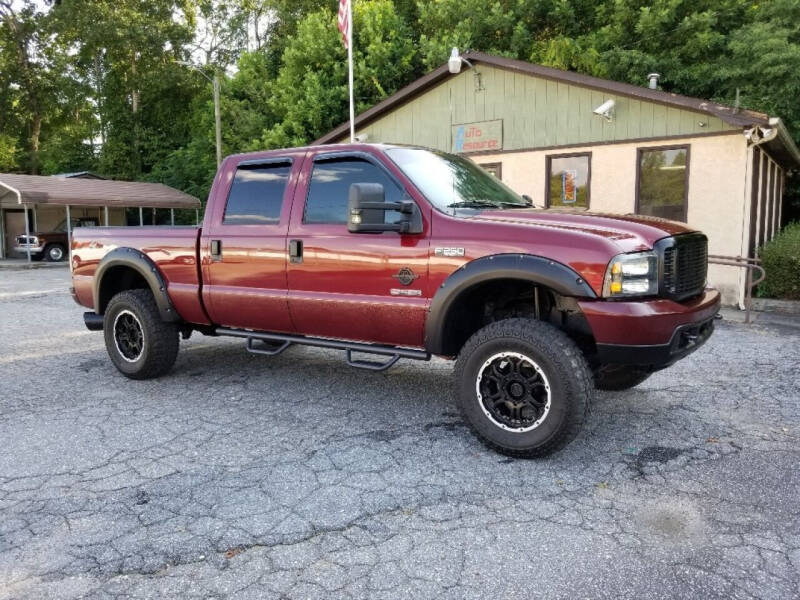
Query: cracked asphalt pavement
<point>241,476</point>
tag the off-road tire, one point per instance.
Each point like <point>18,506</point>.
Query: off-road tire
<point>57,257</point>
<point>565,368</point>
<point>615,378</point>
<point>159,346</point>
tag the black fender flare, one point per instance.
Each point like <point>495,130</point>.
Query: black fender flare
<point>527,267</point>
<point>147,268</point>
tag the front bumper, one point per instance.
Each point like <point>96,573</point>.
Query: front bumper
<point>685,340</point>
<point>652,334</point>
<point>24,248</point>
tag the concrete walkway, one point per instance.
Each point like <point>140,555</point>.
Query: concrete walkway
<point>775,319</point>
<point>16,264</point>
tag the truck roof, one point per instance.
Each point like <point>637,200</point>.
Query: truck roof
<point>343,146</point>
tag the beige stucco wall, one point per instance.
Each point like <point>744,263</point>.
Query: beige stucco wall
<point>718,180</point>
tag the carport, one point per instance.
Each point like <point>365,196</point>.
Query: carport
<point>27,193</point>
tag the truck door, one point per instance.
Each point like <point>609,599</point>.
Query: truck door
<point>244,244</point>
<point>356,286</point>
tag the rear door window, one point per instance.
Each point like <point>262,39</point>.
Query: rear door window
<point>256,194</point>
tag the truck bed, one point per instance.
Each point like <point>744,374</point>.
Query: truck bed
<point>173,249</point>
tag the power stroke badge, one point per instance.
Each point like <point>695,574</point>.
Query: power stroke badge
<point>405,276</point>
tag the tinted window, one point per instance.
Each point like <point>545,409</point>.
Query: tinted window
<point>569,181</point>
<point>256,195</point>
<point>330,188</point>
<point>453,182</point>
<point>662,183</point>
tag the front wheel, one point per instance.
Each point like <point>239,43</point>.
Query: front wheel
<point>55,253</point>
<point>523,386</point>
<point>140,344</point>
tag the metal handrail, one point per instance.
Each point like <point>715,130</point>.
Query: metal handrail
<point>746,263</point>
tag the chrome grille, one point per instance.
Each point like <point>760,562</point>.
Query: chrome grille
<point>685,265</point>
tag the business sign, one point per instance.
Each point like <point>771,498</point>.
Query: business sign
<point>478,137</point>
<point>569,188</point>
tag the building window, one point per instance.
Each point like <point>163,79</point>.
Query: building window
<point>568,180</point>
<point>663,182</point>
<point>256,194</point>
<point>495,169</point>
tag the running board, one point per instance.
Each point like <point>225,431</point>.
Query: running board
<point>284,341</point>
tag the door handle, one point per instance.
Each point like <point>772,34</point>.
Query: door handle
<point>296,251</point>
<point>216,249</point>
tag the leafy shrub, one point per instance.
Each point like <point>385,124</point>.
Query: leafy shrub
<point>781,261</point>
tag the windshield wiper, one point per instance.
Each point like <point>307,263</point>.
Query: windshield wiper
<point>515,205</point>
<point>473,204</point>
<point>482,204</point>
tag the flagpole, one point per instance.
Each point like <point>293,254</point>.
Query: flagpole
<point>350,68</point>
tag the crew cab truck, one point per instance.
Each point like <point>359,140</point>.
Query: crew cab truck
<point>406,252</point>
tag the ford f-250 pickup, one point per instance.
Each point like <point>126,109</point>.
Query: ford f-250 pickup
<point>405,252</point>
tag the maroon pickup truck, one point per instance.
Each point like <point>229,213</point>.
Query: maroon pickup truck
<point>404,252</point>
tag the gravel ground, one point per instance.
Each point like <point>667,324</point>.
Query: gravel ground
<point>251,477</point>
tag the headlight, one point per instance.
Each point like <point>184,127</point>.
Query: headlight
<point>634,274</point>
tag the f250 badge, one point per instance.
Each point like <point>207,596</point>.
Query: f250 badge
<point>405,276</point>
<point>448,251</point>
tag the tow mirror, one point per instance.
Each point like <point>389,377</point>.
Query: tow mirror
<point>366,211</point>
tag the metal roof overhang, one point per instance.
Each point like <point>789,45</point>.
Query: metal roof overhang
<point>44,190</point>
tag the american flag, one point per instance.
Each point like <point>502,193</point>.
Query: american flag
<point>344,20</point>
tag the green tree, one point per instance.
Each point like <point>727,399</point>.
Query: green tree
<point>545,31</point>
<point>23,42</point>
<point>310,93</point>
<point>127,50</point>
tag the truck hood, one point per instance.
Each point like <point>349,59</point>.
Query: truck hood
<point>628,232</point>
<point>41,234</point>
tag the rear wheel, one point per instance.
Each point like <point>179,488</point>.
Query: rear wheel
<point>140,344</point>
<point>523,386</point>
<point>55,252</point>
<point>615,378</point>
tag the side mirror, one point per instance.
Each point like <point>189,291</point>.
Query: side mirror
<point>529,200</point>
<point>366,211</point>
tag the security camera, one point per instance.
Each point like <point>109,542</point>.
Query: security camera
<point>362,138</point>
<point>606,109</point>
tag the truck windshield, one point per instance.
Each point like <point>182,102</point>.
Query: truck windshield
<point>450,182</point>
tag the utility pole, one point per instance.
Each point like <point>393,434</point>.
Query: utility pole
<point>217,123</point>
<point>217,118</point>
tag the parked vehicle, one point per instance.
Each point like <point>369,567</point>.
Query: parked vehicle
<point>51,245</point>
<point>405,252</point>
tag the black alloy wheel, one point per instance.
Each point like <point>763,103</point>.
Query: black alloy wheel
<point>128,336</point>
<point>513,391</point>
<point>140,344</point>
<point>523,386</point>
